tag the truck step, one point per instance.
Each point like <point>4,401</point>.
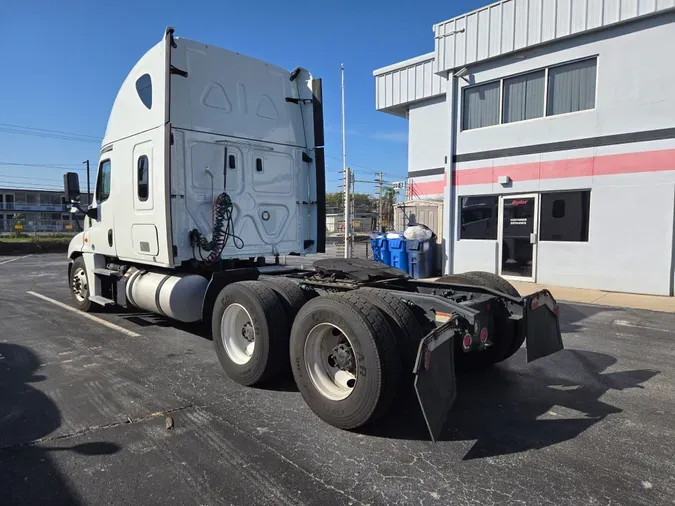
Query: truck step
<point>106,272</point>
<point>101,300</point>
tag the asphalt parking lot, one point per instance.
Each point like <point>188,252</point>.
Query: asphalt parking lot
<point>83,410</point>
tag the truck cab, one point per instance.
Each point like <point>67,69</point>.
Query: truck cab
<point>190,122</point>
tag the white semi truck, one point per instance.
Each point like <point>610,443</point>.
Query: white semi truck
<point>212,161</point>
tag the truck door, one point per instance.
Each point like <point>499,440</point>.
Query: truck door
<point>100,234</point>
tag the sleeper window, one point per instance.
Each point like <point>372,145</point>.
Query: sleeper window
<point>143,178</point>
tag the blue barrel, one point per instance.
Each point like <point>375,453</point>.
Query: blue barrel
<point>397,249</point>
<point>421,257</point>
<point>378,244</point>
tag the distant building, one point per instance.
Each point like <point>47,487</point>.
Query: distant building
<point>36,211</point>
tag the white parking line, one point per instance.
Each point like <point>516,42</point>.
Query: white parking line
<point>86,315</point>
<point>15,259</point>
<point>624,323</point>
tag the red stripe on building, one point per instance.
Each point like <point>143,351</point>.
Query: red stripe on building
<point>606,165</point>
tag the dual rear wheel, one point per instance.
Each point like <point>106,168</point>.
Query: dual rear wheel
<point>344,349</point>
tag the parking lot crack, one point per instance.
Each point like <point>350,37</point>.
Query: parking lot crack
<point>94,428</point>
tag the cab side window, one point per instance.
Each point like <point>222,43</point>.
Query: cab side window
<point>143,178</point>
<point>103,182</point>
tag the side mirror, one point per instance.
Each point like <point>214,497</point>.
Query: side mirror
<point>71,186</point>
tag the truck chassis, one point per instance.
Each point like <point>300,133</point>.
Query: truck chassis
<point>354,332</point>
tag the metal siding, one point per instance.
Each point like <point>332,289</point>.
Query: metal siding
<point>520,39</point>
<point>427,73</point>
<point>508,23</point>
<point>564,11</point>
<point>396,78</point>
<point>595,13</point>
<point>419,82</point>
<point>460,42</point>
<point>511,25</point>
<point>495,30</point>
<point>548,20</point>
<point>483,34</point>
<point>579,10</point>
<point>534,22</point>
<point>449,48</point>
<point>646,6</point>
<point>629,9</point>
<point>380,92</point>
<point>411,84</point>
<point>471,38</point>
<point>389,96</point>
<point>611,11</point>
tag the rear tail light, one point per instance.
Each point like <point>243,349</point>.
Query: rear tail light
<point>483,335</point>
<point>466,342</point>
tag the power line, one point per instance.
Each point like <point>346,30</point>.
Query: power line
<point>48,134</point>
<point>7,176</point>
<point>62,166</point>
<point>47,130</point>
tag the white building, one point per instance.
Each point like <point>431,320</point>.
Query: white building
<point>548,127</point>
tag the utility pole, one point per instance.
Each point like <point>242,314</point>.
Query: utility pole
<point>88,187</point>
<point>379,201</point>
<point>347,184</point>
<point>345,169</point>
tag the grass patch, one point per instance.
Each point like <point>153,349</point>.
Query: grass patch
<point>36,240</point>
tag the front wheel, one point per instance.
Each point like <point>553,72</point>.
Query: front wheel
<point>79,285</point>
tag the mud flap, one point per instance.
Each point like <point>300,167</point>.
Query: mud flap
<point>542,325</point>
<point>435,377</point>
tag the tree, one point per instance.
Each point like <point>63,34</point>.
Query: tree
<point>388,202</point>
<point>363,202</point>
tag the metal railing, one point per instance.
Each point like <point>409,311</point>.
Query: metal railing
<point>23,206</point>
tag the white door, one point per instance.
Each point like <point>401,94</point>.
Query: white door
<point>101,229</point>
<point>518,227</point>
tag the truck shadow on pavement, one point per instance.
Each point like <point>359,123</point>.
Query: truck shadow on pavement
<point>517,407</point>
<point>27,415</point>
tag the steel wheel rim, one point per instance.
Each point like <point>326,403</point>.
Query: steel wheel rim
<point>323,363</point>
<point>79,284</point>
<point>237,334</point>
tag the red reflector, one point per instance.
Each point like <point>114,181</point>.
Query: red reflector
<point>535,303</point>
<point>467,341</point>
<point>489,306</point>
<point>483,335</point>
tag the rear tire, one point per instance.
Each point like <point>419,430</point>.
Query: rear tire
<point>79,286</point>
<point>249,328</point>
<point>291,295</point>
<point>344,359</point>
<point>402,319</point>
<point>507,340</point>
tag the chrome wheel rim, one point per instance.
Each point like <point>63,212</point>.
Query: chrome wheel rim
<point>79,284</point>
<point>237,334</point>
<point>331,362</point>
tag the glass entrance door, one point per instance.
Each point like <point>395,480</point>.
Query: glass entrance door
<point>517,236</point>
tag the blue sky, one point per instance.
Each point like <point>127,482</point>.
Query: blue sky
<point>63,62</point>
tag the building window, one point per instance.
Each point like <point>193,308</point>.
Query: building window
<point>565,216</point>
<point>524,97</point>
<point>103,182</point>
<point>481,105</point>
<point>571,87</point>
<point>144,90</point>
<point>143,178</point>
<point>479,217</point>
